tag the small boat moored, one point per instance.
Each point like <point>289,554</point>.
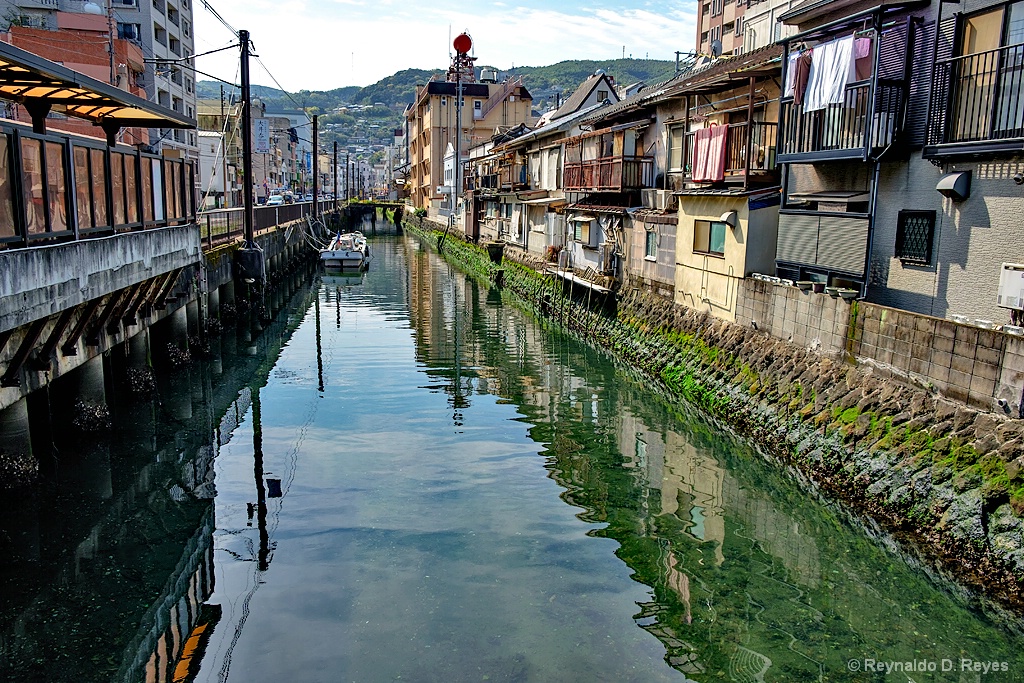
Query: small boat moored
<point>347,251</point>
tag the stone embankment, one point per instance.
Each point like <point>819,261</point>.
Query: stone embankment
<point>939,475</point>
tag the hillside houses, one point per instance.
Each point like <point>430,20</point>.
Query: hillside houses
<point>875,149</point>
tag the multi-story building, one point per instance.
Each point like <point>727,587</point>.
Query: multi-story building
<point>486,107</point>
<point>162,29</point>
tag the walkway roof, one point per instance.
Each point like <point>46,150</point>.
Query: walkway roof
<point>40,85</point>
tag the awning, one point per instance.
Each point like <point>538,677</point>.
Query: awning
<point>583,219</point>
<point>545,200</point>
<point>40,85</point>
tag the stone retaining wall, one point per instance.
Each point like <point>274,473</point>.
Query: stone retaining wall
<point>949,476</point>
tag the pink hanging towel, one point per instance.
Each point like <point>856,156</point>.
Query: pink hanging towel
<point>701,143</point>
<point>715,169</point>
<point>709,154</point>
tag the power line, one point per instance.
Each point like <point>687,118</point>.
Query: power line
<point>218,17</point>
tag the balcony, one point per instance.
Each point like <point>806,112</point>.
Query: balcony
<point>762,147</point>
<point>614,174</point>
<point>977,104</point>
<point>864,123</point>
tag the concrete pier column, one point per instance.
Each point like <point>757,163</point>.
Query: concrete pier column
<point>227,292</point>
<point>192,318</point>
<point>213,303</point>
<point>84,452</point>
<point>17,463</point>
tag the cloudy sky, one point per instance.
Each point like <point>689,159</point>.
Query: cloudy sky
<point>325,44</point>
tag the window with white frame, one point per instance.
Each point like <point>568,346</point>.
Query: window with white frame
<point>651,247</point>
<point>676,141</point>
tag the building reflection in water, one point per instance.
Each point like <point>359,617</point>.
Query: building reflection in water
<point>750,576</point>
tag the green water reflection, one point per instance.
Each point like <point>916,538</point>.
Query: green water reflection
<point>753,579</point>
<point>406,477</point>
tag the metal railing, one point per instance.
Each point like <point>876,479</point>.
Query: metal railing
<point>616,174</point>
<point>221,226</point>
<point>850,128</point>
<point>978,97</point>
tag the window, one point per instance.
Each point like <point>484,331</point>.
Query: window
<point>717,7</point>
<point>129,31</point>
<point>160,34</point>
<point>583,231</point>
<point>444,101</point>
<point>739,26</point>
<point>651,250</point>
<point>98,173</point>
<point>709,237</point>
<point>602,95</point>
<point>676,141</point>
<point>6,196</point>
<point>914,230</point>
<point>117,186</point>
<point>32,185</point>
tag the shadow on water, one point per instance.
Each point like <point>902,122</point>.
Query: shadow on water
<point>752,578</point>
<point>109,557</point>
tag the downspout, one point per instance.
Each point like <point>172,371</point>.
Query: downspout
<point>873,204</point>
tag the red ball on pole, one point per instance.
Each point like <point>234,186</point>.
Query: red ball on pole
<point>462,43</point>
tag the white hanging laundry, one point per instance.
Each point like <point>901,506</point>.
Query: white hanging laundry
<point>830,71</point>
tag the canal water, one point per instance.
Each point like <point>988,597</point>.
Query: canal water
<point>404,477</point>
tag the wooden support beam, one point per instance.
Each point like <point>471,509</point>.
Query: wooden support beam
<point>169,283</point>
<point>4,338</point>
<point>41,361</point>
<point>129,296</point>
<point>132,312</point>
<point>12,378</point>
<point>70,347</point>
<point>92,338</point>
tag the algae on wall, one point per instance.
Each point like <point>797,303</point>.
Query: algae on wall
<point>945,474</point>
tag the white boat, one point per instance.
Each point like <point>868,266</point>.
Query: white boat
<point>347,251</point>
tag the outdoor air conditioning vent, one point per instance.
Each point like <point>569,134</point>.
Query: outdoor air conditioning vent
<point>662,200</point>
<point>1011,286</point>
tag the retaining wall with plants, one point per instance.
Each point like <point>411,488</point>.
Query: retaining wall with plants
<point>942,476</point>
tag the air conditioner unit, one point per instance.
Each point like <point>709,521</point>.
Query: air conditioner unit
<point>1011,286</point>
<point>662,200</point>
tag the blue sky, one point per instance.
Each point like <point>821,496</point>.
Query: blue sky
<point>325,44</point>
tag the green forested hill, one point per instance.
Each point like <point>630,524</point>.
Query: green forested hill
<point>362,119</point>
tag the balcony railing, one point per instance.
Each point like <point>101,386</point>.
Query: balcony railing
<point>851,129</point>
<point>616,174</point>
<point>978,103</point>
<point>762,149</point>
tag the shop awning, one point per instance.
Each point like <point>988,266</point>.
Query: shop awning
<point>43,86</point>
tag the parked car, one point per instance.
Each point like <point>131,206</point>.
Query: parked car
<point>289,198</point>
<point>307,197</point>
<point>261,200</point>
<point>275,200</point>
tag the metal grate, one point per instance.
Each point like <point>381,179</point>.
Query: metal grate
<point>914,231</point>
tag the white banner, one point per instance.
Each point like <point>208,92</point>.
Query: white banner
<point>261,136</point>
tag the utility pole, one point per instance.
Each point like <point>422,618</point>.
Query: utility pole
<point>316,167</point>
<point>335,176</point>
<point>110,31</point>
<point>247,217</point>
<point>224,152</point>
<point>348,176</point>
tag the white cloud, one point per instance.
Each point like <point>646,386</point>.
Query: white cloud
<point>320,46</point>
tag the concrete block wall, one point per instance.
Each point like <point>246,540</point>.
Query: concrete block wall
<point>807,319</point>
<point>978,367</point>
<point>965,363</point>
